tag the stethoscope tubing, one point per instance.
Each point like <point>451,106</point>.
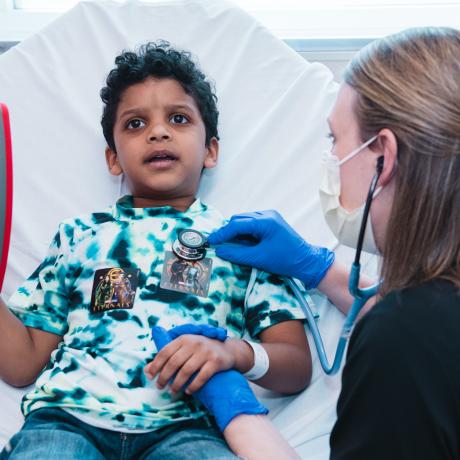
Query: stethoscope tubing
<point>347,328</point>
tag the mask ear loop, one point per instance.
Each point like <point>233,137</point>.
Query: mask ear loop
<point>367,207</point>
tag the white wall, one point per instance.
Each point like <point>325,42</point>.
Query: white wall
<point>333,53</point>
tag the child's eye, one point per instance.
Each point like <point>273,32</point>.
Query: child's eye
<point>136,123</point>
<point>179,119</point>
<point>330,136</point>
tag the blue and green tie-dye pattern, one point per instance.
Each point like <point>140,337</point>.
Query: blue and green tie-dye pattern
<point>97,371</point>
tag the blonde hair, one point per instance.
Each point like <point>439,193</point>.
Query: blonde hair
<point>410,83</point>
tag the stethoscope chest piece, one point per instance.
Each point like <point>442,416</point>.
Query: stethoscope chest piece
<point>190,245</point>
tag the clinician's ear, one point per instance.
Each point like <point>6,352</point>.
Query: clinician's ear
<point>386,146</point>
<point>113,164</point>
<point>212,154</point>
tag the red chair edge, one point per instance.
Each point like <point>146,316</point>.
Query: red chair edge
<point>9,191</point>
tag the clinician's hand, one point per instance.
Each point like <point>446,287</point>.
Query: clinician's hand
<point>264,240</point>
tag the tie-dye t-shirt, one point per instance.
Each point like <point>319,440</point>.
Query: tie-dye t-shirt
<point>99,288</point>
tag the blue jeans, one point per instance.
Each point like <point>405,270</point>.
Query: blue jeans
<point>53,434</point>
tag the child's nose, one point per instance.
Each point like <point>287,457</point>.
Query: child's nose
<point>159,132</point>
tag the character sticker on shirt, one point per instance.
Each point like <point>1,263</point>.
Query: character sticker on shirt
<point>114,288</point>
<point>186,276</point>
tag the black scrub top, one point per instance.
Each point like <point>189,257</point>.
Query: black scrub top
<point>400,395</point>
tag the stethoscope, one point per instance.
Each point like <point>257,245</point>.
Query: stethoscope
<point>191,245</point>
<point>360,295</point>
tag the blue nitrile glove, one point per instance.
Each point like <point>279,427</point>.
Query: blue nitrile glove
<point>226,394</point>
<point>264,240</point>
<point>218,333</point>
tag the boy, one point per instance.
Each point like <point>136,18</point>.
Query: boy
<point>88,308</point>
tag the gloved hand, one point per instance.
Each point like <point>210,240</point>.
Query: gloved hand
<point>226,394</point>
<point>264,240</point>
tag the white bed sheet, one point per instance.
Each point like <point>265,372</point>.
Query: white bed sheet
<point>273,108</point>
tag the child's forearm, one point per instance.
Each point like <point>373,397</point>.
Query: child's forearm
<point>290,366</point>
<point>23,352</point>
<point>253,437</point>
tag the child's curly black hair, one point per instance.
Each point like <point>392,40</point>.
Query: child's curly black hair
<point>158,60</point>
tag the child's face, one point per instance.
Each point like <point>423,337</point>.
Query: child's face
<point>160,141</point>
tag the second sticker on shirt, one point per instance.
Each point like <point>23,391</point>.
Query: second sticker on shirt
<point>186,276</point>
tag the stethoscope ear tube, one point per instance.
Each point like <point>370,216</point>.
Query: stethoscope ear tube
<point>367,207</point>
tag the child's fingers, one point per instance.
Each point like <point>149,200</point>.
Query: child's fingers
<point>192,366</point>
<point>205,373</point>
<point>173,365</point>
<point>161,358</point>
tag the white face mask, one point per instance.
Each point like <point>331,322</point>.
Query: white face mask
<point>344,224</point>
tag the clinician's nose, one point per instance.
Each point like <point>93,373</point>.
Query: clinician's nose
<point>159,132</point>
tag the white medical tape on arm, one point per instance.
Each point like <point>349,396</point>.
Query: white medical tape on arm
<point>261,361</point>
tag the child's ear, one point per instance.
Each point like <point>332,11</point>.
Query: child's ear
<point>112,162</point>
<point>212,153</point>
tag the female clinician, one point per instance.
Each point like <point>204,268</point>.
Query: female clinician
<point>400,100</point>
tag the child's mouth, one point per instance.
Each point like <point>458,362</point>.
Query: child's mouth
<point>161,158</point>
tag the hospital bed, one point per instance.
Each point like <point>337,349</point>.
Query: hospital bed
<point>273,108</point>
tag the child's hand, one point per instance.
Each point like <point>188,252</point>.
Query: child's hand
<point>189,354</point>
<point>226,394</point>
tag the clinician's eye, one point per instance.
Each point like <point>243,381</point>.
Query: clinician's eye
<point>179,119</point>
<point>331,137</point>
<point>135,123</point>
